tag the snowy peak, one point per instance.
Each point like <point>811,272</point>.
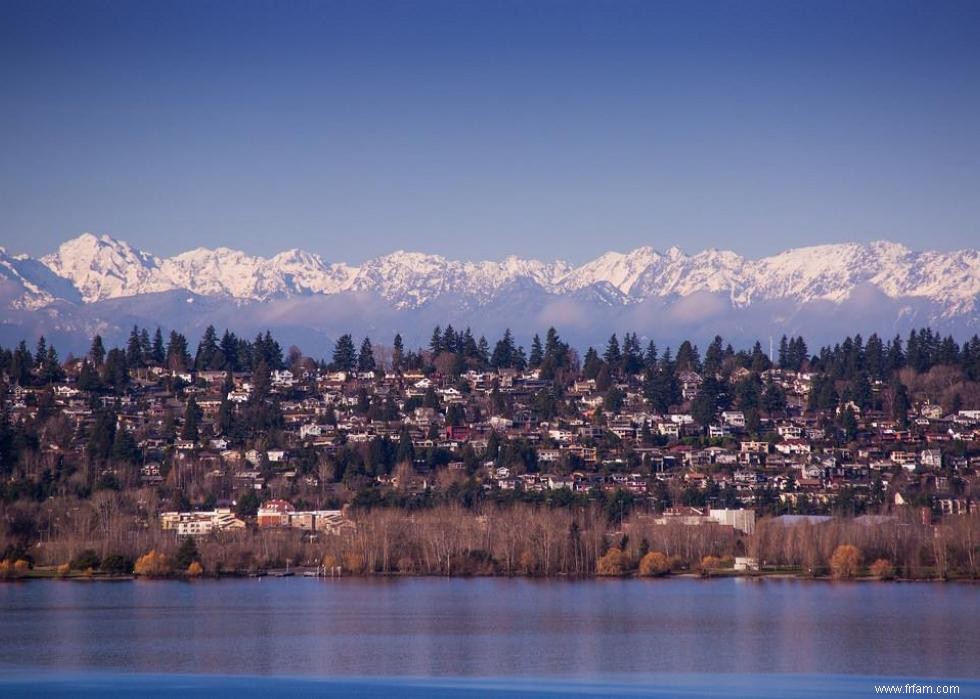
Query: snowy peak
<point>620,270</point>
<point>102,267</point>
<point>93,268</point>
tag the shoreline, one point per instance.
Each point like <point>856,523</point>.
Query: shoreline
<point>51,574</point>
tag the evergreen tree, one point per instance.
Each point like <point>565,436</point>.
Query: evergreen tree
<point>900,403</point>
<point>187,554</point>
<point>208,355</point>
<point>483,351</point>
<point>784,353</point>
<point>632,354</point>
<point>848,423</point>
<point>650,356</point>
<point>134,349</point>
<point>773,398</point>
<point>178,357</point>
<point>21,364</point>
<point>397,354</point>
<point>537,353</point>
<point>687,357</point>
<point>124,448</point>
<point>41,353</point>
<point>504,354</point>
<point>612,356</point>
<point>50,370</point>
<point>435,343</point>
<point>228,348</point>
<point>102,436</point>
<point>159,353</point>
<point>146,346</point>
<point>344,354</point>
<point>661,388</point>
<point>592,364</point>
<point>88,377</point>
<point>192,421</point>
<point>115,371</point>
<point>406,449</point>
<point>96,352</point>
<point>365,360</point>
<point>713,356</point>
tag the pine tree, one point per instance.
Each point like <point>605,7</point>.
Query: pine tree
<point>41,353</point>
<point>178,357</point>
<point>192,420</point>
<point>208,354</point>
<point>650,356</point>
<point>344,354</point>
<point>483,351</point>
<point>592,364</point>
<point>134,350</point>
<point>159,353</point>
<point>397,354</point>
<point>124,448</point>
<point>146,346</point>
<point>102,435</point>
<point>365,360</point>
<point>449,340</point>
<point>96,352</point>
<point>51,371</point>
<point>537,353</point>
<point>612,355</point>
<point>435,343</point>
<point>783,353</point>
<point>632,354</point>
<point>687,357</point>
<point>504,354</point>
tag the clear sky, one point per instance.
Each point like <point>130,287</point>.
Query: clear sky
<point>478,129</point>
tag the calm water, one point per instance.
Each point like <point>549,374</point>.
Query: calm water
<point>671,637</point>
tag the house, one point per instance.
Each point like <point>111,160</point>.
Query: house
<point>310,429</point>
<point>200,523</point>
<point>733,418</point>
<point>274,513</point>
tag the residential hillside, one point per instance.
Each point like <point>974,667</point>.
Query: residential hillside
<point>262,454</point>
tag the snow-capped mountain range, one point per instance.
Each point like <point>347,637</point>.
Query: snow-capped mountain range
<point>95,268</point>
<point>881,280</point>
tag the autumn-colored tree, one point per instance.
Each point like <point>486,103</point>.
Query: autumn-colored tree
<point>195,569</point>
<point>654,564</point>
<point>354,563</point>
<point>152,564</point>
<point>63,570</point>
<point>613,563</point>
<point>883,569</point>
<point>21,566</point>
<point>709,563</point>
<point>846,561</point>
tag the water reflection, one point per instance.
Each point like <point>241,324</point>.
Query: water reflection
<point>492,627</point>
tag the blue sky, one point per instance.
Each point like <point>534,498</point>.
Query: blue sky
<point>481,129</point>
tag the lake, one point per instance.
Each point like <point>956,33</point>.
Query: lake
<point>428,636</point>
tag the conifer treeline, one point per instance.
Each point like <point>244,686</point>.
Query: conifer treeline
<point>453,352</point>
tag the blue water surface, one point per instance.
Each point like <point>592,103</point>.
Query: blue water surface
<point>489,637</point>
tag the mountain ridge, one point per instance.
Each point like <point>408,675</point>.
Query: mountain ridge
<point>103,267</point>
<point>98,284</point>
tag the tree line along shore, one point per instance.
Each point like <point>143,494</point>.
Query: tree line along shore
<point>534,541</point>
